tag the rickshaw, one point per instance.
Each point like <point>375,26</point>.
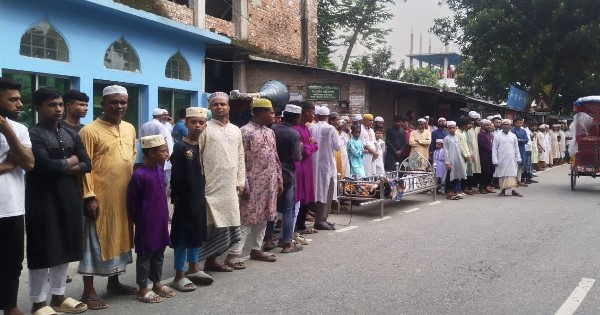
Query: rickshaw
<point>585,146</point>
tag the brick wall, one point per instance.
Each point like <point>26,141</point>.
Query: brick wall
<point>178,13</point>
<point>275,28</point>
<point>220,26</point>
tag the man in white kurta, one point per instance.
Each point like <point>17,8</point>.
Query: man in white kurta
<point>541,144</point>
<point>367,137</point>
<point>324,169</point>
<point>471,137</point>
<point>222,154</point>
<point>506,158</point>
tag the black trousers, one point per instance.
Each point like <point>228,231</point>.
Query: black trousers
<point>301,219</point>
<point>12,236</point>
<point>486,180</point>
<point>149,266</point>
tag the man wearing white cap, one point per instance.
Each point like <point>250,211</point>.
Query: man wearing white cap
<point>471,136</point>
<point>506,158</point>
<point>159,125</point>
<point>440,132</point>
<point>542,148</point>
<point>485,139</point>
<point>324,168</point>
<point>454,160</point>
<point>367,136</point>
<point>419,141</point>
<point>378,123</point>
<point>108,232</point>
<point>356,119</point>
<point>222,152</point>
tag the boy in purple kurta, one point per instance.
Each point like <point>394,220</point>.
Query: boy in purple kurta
<point>148,210</point>
<point>305,187</point>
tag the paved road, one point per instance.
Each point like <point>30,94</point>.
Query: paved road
<point>482,255</point>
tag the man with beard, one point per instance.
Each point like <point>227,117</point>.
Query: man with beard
<point>440,133</point>
<point>108,232</point>
<point>395,140</point>
<point>367,136</point>
<point>484,143</point>
<point>16,157</point>
<point>506,158</point>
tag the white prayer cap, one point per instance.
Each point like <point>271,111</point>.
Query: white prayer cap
<point>114,89</point>
<point>555,126</point>
<point>293,109</point>
<point>342,123</point>
<point>196,112</point>
<point>474,115</point>
<point>542,126</point>
<point>439,141</point>
<point>471,113</point>
<point>490,117</point>
<point>157,112</point>
<point>356,118</point>
<point>497,116</point>
<point>344,118</point>
<point>321,111</point>
<point>506,121</point>
<point>441,118</point>
<point>451,123</point>
<point>485,121</point>
<point>152,141</point>
<point>563,121</point>
<point>422,120</point>
<point>378,118</point>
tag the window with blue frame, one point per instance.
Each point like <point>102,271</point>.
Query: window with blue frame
<point>43,41</point>
<point>178,68</point>
<point>120,55</point>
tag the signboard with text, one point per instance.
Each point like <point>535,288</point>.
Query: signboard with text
<point>517,99</point>
<point>323,91</point>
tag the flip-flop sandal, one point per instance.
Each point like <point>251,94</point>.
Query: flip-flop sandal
<point>151,297</point>
<point>455,197</point>
<point>89,300</point>
<point>46,310</point>
<point>71,306</point>
<point>180,285</point>
<point>292,249</point>
<point>265,257</point>
<point>200,277</point>
<point>165,292</point>
<point>218,268</point>
<point>266,248</point>
<point>235,263</point>
<point>308,231</point>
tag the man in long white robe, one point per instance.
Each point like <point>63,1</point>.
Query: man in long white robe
<point>454,162</point>
<point>324,169</point>
<point>506,158</point>
<point>367,137</point>
<point>541,144</point>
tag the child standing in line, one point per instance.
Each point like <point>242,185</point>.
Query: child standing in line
<point>189,226</point>
<point>148,210</point>
<point>440,164</point>
<point>355,153</point>
<point>380,145</point>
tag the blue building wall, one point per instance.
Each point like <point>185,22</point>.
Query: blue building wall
<point>89,28</point>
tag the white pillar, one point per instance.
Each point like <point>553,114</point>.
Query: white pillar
<point>198,7</point>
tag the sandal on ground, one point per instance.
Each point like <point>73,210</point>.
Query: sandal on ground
<point>455,197</point>
<point>46,310</point>
<point>502,194</point>
<point>218,268</point>
<point>150,297</point>
<point>267,246</point>
<point>302,240</point>
<point>324,226</point>
<point>165,292</point>
<point>183,285</point>
<point>236,263</point>
<point>483,192</point>
<point>89,300</point>
<point>200,277</point>
<point>264,257</point>
<point>291,248</point>
<point>71,306</point>
<point>307,231</point>
<point>516,194</point>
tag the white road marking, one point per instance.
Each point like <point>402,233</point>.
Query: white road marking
<point>434,203</point>
<point>411,210</point>
<point>384,218</point>
<point>575,299</point>
<point>347,229</point>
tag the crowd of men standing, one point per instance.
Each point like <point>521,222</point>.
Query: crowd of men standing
<point>227,184</point>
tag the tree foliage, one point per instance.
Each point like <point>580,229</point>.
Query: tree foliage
<point>530,44</point>
<point>423,76</point>
<point>348,23</point>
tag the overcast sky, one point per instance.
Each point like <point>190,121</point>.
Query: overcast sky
<point>415,15</point>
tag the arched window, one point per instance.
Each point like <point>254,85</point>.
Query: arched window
<point>178,68</point>
<point>43,41</point>
<point>120,55</point>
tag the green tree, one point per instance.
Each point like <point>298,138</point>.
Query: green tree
<point>326,37</point>
<point>359,22</point>
<point>549,48</point>
<point>378,64</point>
<point>423,76</point>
